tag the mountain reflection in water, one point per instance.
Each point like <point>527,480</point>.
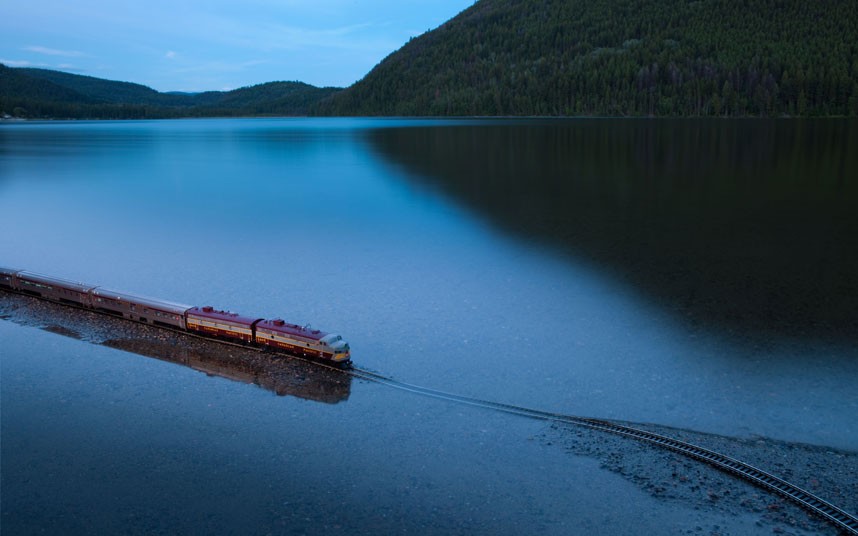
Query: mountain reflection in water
<point>748,227</point>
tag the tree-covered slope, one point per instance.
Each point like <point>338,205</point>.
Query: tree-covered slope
<point>272,98</point>
<point>100,90</point>
<point>16,82</point>
<point>41,93</point>
<point>622,57</point>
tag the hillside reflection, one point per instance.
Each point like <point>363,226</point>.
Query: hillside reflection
<point>748,227</point>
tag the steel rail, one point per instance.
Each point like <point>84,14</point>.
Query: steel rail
<point>836,516</point>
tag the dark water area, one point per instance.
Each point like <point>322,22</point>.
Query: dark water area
<point>699,275</point>
<point>748,228</point>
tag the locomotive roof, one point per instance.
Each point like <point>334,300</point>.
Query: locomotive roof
<point>211,313</point>
<point>294,330</point>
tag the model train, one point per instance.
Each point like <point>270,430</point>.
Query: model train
<point>275,334</point>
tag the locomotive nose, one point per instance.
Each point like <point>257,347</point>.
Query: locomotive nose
<point>336,342</point>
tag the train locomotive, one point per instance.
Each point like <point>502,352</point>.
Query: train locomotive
<point>275,334</point>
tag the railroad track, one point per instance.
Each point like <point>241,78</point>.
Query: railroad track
<point>839,518</point>
<point>846,522</point>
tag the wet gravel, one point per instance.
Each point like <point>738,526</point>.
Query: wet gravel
<point>828,473</point>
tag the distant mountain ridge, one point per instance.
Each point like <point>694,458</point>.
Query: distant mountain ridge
<point>540,58</point>
<point>43,93</point>
<point>100,90</point>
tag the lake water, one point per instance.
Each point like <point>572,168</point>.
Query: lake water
<point>695,274</point>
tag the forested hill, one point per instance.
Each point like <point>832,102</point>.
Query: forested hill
<point>100,90</point>
<point>622,57</point>
<point>41,93</point>
<point>540,57</point>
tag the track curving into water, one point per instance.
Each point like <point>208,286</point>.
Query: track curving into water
<point>846,522</point>
<point>839,518</point>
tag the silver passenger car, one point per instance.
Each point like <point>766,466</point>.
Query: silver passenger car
<point>142,309</point>
<point>53,288</point>
<point>7,277</point>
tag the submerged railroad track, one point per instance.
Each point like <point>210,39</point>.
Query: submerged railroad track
<point>837,517</point>
<point>846,522</point>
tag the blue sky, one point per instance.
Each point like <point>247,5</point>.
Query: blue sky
<point>195,45</point>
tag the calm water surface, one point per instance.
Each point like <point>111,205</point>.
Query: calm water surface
<point>698,274</point>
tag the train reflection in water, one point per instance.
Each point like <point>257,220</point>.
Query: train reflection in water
<point>285,376</point>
